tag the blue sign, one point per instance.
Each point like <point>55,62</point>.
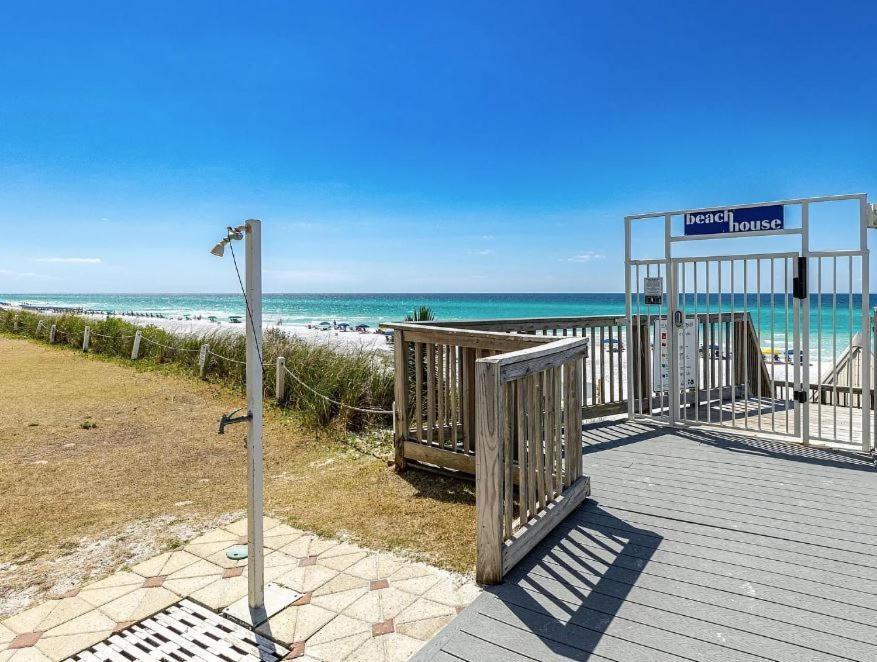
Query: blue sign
<point>731,221</point>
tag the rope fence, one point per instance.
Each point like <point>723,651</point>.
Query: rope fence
<point>364,410</point>
<point>53,334</point>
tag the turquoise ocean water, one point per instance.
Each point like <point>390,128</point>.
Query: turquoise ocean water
<point>376,308</point>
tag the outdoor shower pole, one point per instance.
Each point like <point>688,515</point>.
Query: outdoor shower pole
<point>255,505</point>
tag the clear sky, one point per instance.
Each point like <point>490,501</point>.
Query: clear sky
<point>409,146</point>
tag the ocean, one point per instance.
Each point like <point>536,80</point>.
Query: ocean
<point>376,308</point>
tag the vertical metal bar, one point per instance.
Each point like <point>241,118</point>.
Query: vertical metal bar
<point>722,359</point>
<point>683,307</point>
<point>256,549</point>
<point>641,352</point>
<point>787,401</point>
<point>732,355</point>
<point>672,301</point>
<point>673,345</point>
<point>804,358</point>
<point>652,345</point>
<point>834,348</point>
<point>629,334</point>
<point>662,312</point>
<point>773,425</point>
<point>866,326</point>
<point>850,350</point>
<point>819,398</point>
<point>796,350</point>
<point>746,344</point>
<point>758,336</point>
<point>708,349</point>
<point>697,363</point>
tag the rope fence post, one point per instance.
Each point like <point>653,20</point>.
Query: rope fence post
<point>202,360</point>
<point>52,331</point>
<point>135,349</point>
<point>86,336</point>
<point>39,328</point>
<point>280,380</point>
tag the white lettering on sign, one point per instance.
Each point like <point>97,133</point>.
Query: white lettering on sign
<point>731,221</point>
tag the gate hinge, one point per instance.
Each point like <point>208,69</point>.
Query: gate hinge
<point>800,289</point>
<point>800,396</point>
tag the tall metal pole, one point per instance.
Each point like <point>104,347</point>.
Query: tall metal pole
<point>255,557</point>
<point>632,391</point>
<point>866,325</point>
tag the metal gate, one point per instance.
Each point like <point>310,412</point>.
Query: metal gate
<point>769,342</point>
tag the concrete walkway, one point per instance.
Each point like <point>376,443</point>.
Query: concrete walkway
<point>357,604</point>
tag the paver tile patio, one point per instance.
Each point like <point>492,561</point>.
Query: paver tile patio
<point>356,604</point>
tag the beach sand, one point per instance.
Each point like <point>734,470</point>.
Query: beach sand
<point>349,340</point>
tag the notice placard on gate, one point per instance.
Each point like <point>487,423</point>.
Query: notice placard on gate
<point>686,338</point>
<point>735,221</point>
<point>653,290</point>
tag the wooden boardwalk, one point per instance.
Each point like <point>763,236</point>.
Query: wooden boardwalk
<point>835,425</point>
<point>697,545</point>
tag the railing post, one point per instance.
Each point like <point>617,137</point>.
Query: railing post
<point>489,470</point>
<point>280,380</point>
<point>52,330</point>
<point>202,360</point>
<point>86,336</point>
<point>400,404</point>
<point>135,349</point>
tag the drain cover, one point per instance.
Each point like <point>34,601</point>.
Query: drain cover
<point>237,552</point>
<point>184,631</point>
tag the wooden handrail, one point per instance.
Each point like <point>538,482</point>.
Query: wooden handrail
<point>528,406</point>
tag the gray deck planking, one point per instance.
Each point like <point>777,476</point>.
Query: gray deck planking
<point>696,545</point>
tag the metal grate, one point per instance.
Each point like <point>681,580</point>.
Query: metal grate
<point>184,631</point>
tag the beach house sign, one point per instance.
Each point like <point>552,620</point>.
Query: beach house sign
<point>735,221</point>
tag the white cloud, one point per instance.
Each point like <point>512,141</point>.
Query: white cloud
<point>70,260</point>
<point>587,256</point>
<point>481,251</point>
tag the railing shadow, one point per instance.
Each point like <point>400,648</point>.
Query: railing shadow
<point>571,587</point>
<point>609,435</point>
<point>736,443</point>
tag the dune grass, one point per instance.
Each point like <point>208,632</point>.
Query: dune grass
<point>356,377</point>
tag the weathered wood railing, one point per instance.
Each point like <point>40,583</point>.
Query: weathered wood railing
<point>435,390</point>
<point>604,373</point>
<point>435,372</point>
<point>528,412</point>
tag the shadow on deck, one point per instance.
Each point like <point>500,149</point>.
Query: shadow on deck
<point>696,545</point>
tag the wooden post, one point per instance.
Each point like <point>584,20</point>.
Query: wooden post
<point>135,349</point>
<point>489,468</point>
<point>202,360</point>
<point>52,330</point>
<point>15,324</point>
<point>39,328</point>
<point>400,405</point>
<point>280,380</point>
<point>86,336</point>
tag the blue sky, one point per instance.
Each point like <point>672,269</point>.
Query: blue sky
<point>409,146</point>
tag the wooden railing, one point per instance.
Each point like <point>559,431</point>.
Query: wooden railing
<point>603,378</point>
<point>435,390</point>
<point>435,377</point>
<point>528,433</point>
